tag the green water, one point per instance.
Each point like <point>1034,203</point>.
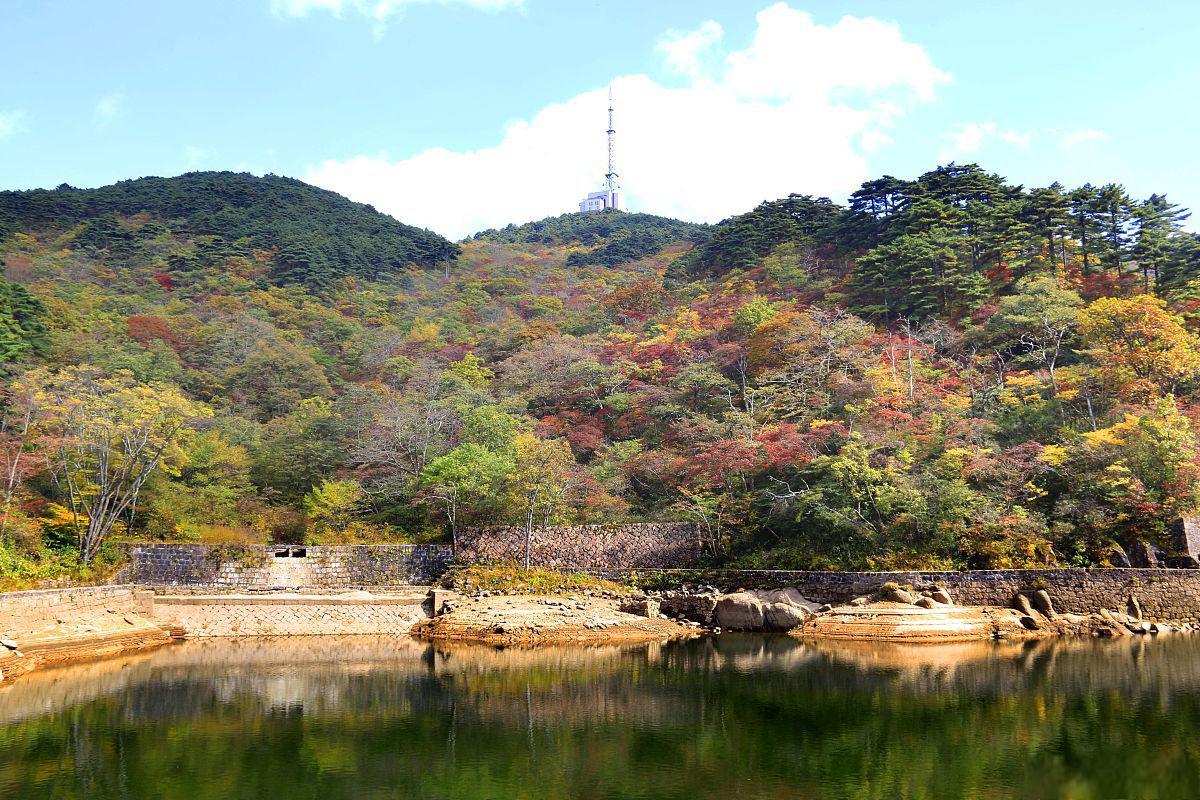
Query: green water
<point>732,717</point>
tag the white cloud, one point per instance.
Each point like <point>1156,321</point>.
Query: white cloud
<point>378,11</point>
<point>10,122</point>
<point>795,111</point>
<point>107,109</point>
<point>1072,139</point>
<point>684,51</point>
<point>965,141</point>
<point>969,139</point>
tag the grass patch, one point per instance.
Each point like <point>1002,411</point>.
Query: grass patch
<point>511,578</point>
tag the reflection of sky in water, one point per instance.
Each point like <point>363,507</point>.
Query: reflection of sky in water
<point>742,716</point>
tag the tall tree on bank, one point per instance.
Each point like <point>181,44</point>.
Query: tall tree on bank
<point>109,436</point>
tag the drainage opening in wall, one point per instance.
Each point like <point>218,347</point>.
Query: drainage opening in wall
<point>292,552</point>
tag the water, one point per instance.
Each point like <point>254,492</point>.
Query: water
<point>732,717</point>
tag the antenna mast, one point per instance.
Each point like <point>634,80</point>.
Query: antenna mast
<point>611,179</point>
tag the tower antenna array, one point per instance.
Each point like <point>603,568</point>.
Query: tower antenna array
<point>611,178</point>
<point>608,198</point>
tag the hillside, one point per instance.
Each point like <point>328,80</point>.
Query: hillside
<point>318,236</point>
<point>949,371</point>
<point>608,239</point>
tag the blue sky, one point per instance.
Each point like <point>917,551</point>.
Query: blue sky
<point>458,114</point>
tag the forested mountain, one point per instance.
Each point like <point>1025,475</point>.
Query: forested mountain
<point>949,371</point>
<point>608,238</point>
<point>317,236</point>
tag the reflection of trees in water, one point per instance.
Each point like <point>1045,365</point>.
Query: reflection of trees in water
<point>745,715</point>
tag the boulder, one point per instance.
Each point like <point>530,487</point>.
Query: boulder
<point>1041,601</point>
<point>898,595</point>
<point>942,596</point>
<point>1021,603</point>
<point>1030,623</point>
<point>860,601</point>
<point>740,611</point>
<point>642,606</point>
<point>1135,608</point>
<point>925,602</point>
<point>783,616</point>
<point>789,595</point>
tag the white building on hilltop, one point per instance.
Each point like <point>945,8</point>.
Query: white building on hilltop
<point>610,196</point>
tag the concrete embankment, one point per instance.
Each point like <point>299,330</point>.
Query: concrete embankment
<point>56,626</point>
<point>294,614</point>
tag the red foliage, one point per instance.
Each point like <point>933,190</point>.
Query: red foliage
<point>720,463</point>
<point>789,445</point>
<point>164,280</point>
<point>146,329</point>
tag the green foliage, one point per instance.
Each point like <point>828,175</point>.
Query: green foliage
<point>23,330</point>
<point>320,235</point>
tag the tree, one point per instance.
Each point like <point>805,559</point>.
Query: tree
<point>464,479</point>
<point>540,483</point>
<point>1156,222</point>
<point>1140,348</point>
<point>916,276</point>
<point>1035,323</point>
<point>110,434</point>
<point>23,330</point>
<point>21,409</point>
<point>332,505</point>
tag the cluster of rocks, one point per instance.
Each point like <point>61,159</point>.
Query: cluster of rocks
<point>758,610</point>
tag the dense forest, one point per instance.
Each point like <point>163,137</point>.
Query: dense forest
<point>951,371</point>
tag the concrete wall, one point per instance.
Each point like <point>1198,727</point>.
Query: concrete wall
<point>223,615</point>
<point>286,567</point>
<point>587,547</point>
<point>34,611</point>
<point>1164,594</point>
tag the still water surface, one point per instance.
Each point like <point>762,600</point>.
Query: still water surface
<point>731,717</point>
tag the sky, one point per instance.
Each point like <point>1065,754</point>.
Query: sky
<point>459,115</point>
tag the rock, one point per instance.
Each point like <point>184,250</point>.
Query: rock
<point>783,616</point>
<point>1042,602</point>
<point>898,595</point>
<point>9,643</point>
<point>1118,557</point>
<point>1135,608</point>
<point>740,611</point>
<point>1030,623</point>
<point>1147,554</point>
<point>925,602</point>
<point>789,595</point>
<point>1021,603</point>
<point>942,596</point>
<point>643,607</point>
<point>860,601</point>
<point>824,609</point>
<point>696,607</point>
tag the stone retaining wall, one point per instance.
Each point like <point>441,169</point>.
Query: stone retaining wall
<point>317,568</point>
<point>587,547</point>
<point>26,612</point>
<point>1164,594</point>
